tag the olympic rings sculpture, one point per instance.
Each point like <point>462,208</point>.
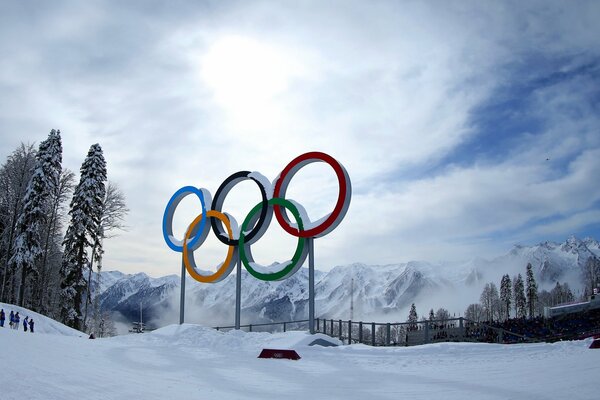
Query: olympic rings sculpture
<point>256,222</point>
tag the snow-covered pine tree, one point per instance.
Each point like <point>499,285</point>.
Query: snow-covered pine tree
<point>431,315</point>
<point>85,212</point>
<point>520,300</point>
<point>531,291</point>
<point>28,246</point>
<point>506,295</point>
<point>413,318</point>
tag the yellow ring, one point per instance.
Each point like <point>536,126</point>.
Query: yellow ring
<point>223,270</point>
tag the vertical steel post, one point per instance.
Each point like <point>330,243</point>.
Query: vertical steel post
<point>372,333</point>
<point>238,289</point>
<point>311,285</point>
<point>360,332</point>
<point>388,334</point>
<point>350,332</point>
<point>182,294</point>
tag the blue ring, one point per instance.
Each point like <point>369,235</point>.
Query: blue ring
<point>170,211</point>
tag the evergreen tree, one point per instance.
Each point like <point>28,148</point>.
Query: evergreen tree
<point>531,291</point>
<point>413,318</point>
<point>520,300</point>
<point>506,295</point>
<point>86,213</point>
<point>431,315</point>
<point>28,246</point>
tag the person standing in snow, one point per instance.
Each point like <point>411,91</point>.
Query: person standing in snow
<point>31,325</point>
<point>25,323</point>
<point>16,321</point>
<point>2,318</point>
<point>12,319</point>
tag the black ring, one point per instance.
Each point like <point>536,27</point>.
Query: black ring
<point>217,205</point>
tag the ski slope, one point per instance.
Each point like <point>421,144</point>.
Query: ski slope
<point>194,362</point>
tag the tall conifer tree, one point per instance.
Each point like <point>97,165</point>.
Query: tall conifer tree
<point>506,295</point>
<point>519,293</point>
<point>413,318</point>
<point>85,212</point>
<point>28,244</point>
<point>531,291</point>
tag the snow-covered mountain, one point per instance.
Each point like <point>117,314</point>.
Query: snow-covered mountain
<point>381,292</point>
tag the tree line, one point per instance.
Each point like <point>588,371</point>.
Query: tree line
<point>49,245</point>
<point>522,299</point>
<point>517,298</point>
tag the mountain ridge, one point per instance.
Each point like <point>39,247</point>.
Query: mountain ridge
<point>380,291</point>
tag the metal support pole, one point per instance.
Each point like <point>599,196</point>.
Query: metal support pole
<point>311,285</point>
<point>349,332</point>
<point>340,329</point>
<point>388,334</point>
<point>373,334</point>
<point>182,294</point>
<point>238,289</point>
<point>360,332</point>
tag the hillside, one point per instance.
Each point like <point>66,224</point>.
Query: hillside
<point>42,324</point>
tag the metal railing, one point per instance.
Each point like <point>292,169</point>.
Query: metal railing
<point>415,333</point>
<point>394,334</point>
<point>300,325</point>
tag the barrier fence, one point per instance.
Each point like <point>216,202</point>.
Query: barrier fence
<point>396,334</point>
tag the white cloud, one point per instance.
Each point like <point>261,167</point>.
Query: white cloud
<point>187,96</point>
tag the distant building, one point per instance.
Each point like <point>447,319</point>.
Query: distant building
<point>582,306</point>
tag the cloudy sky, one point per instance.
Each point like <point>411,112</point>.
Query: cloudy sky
<point>466,127</point>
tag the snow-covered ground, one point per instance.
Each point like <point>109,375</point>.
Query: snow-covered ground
<point>193,362</point>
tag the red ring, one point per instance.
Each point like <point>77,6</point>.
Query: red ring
<point>340,207</point>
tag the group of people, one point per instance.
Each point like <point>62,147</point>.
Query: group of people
<point>15,320</point>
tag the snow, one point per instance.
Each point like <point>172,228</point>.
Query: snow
<point>42,324</point>
<point>264,181</point>
<point>272,269</point>
<point>193,362</point>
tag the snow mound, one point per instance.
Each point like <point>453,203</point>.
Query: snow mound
<point>42,324</point>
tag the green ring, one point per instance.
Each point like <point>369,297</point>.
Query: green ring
<point>283,273</point>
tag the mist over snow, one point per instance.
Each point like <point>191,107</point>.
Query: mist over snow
<point>381,293</point>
